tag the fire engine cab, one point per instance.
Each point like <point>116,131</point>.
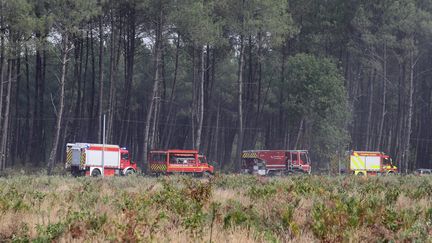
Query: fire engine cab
<point>272,162</point>
<point>97,159</point>
<point>178,161</point>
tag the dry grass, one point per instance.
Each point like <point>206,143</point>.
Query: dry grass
<point>226,209</point>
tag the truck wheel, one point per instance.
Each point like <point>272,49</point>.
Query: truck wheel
<point>360,174</point>
<point>207,174</point>
<point>129,172</point>
<point>96,173</point>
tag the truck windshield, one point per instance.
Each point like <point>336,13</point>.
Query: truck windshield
<point>303,158</point>
<point>125,156</point>
<point>294,158</point>
<point>387,161</point>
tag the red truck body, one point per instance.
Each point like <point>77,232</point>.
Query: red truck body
<point>178,161</point>
<point>269,162</point>
<point>86,159</point>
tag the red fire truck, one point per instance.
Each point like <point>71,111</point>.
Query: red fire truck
<point>178,161</point>
<point>273,162</point>
<point>87,159</point>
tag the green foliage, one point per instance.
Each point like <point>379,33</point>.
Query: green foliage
<point>424,189</point>
<point>97,221</point>
<point>262,192</point>
<point>269,18</point>
<point>50,232</point>
<point>12,198</point>
<point>196,22</point>
<point>391,219</point>
<point>235,182</point>
<point>70,15</point>
<point>316,92</point>
<point>186,203</point>
<point>240,215</point>
<point>272,209</point>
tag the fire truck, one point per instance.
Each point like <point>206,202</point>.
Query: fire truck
<point>274,162</point>
<point>177,161</point>
<point>97,159</point>
<point>371,163</point>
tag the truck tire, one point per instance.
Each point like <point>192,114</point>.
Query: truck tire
<point>207,174</point>
<point>129,172</point>
<point>360,174</point>
<point>96,173</point>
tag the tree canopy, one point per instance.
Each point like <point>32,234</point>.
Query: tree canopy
<point>216,75</point>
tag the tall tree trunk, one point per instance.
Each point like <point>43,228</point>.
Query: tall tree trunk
<point>29,114</point>
<point>299,133</point>
<point>216,142</point>
<point>400,116</point>
<point>129,71</point>
<point>194,97</point>
<point>111,79</point>
<point>93,89</point>
<point>101,86</point>
<point>65,50</point>
<point>3,145</point>
<point>77,72</point>
<point>85,98</point>
<point>16,131</point>
<point>153,135</point>
<point>408,128</point>
<point>42,141</point>
<point>380,144</point>
<point>173,88</point>
<point>201,103</point>
<point>368,142</point>
<point>2,73</point>
<point>240,105</point>
<point>155,91</point>
<point>259,91</point>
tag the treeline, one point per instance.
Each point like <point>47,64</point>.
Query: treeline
<point>216,75</point>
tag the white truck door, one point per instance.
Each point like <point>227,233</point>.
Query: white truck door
<point>76,156</point>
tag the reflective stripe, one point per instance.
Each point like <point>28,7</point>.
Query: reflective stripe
<point>158,167</point>
<point>68,156</point>
<point>354,164</point>
<point>357,163</point>
<point>361,162</point>
<point>249,155</point>
<point>83,159</point>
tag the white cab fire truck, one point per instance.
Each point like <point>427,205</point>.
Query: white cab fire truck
<point>97,159</point>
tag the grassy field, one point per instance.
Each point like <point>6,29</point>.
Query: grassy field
<point>229,208</point>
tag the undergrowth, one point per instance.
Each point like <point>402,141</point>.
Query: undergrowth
<point>224,208</point>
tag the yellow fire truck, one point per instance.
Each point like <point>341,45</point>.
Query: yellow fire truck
<point>371,163</point>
